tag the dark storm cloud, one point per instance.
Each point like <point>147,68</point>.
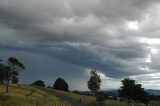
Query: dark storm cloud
<point>47,19</point>
<point>83,56</point>
<point>107,35</point>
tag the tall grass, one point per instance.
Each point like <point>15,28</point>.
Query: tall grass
<point>28,96</point>
<point>33,103</point>
<point>91,101</point>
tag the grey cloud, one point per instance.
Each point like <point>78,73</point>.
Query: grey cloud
<point>86,56</point>
<point>115,10</point>
<point>28,17</point>
<point>84,34</point>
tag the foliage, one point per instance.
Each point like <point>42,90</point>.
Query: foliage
<point>154,97</point>
<point>60,84</point>
<point>78,92</point>
<point>94,82</point>
<point>15,80</point>
<point>133,91</point>
<point>100,97</point>
<point>49,87</point>
<point>9,72</point>
<point>15,63</point>
<point>2,77</point>
<point>39,83</point>
<point>127,88</point>
<point>140,95</point>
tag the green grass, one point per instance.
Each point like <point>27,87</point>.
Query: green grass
<point>28,96</point>
<point>91,101</point>
<point>155,103</point>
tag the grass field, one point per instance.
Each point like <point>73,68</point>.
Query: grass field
<point>28,96</point>
<point>91,101</point>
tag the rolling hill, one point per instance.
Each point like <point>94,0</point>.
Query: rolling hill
<point>28,96</point>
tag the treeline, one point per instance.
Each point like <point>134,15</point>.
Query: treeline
<point>59,84</point>
<point>129,91</point>
<point>154,97</point>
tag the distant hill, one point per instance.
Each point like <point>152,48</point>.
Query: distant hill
<point>115,92</point>
<point>154,92</point>
<point>111,92</point>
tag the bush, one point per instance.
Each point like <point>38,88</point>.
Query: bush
<point>100,97</point>
<point>39,83</point>
<point>61,84</point>
<point>77,92</point>
<point>50,87</point>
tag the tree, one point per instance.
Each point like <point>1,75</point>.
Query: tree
<point>100,96</point>
<point>14,65</point>
<point>132,91</point>
<point>15,78</point>
<point>39,83</point>
<point>2,73</point>
<point>60,84</point>
<point>140,95</point>
<point>94,82</point>
<point>127,88</point>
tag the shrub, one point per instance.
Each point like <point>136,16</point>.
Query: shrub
<point>39,83</point>
<point>100,97</point>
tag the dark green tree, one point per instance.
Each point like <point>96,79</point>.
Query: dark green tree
<point>2,73</point>
<point>140,95</point>
<point>132,91</point>
<point>127,88</point>
<point>15,78</point>
<point>39,83</point>
<point>94,82</point>
<point>60,84</point>
<point>13,65</point>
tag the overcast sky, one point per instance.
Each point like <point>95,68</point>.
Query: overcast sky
<point>66,38</point>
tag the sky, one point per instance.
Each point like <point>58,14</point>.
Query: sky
<point>68,38</point>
